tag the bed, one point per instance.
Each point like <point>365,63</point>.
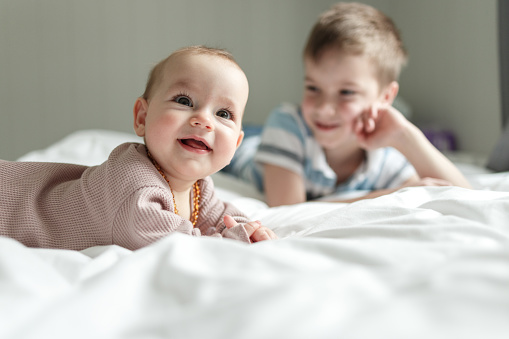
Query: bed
<point>423,262</point>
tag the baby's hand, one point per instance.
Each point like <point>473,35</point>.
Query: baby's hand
<point>254,229</point>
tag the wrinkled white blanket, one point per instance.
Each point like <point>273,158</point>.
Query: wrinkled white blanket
<point>429,262</point>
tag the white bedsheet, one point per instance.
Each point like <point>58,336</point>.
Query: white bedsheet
<point>419,263</point>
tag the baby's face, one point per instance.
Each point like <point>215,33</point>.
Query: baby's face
<point>193,120</point>
<point>339,87</point>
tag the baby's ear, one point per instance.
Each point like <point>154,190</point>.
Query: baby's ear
<point>390,92</point>
<point>140,114</point>
<point>241,137</point>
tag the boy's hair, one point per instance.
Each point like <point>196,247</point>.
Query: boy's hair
<point>362,30</point>
<point>157,73</point>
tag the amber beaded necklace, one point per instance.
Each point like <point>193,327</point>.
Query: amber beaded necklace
<point>196,192</point>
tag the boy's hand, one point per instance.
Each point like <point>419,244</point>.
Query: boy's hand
<point>254,229</point>
<point>379,126</point>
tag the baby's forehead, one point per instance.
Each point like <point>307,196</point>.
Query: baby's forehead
<point>197,71</point>
<point>176,65</point>
<point>194,59</point>
<point>195,66</point>
<point>171,68</point>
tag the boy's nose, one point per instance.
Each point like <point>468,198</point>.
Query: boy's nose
<point>325,108</point>
<point>202,120</point>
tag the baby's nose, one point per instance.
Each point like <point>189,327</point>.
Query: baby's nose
<point>202,120</point>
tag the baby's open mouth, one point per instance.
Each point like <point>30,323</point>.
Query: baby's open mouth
<point>197,144</point>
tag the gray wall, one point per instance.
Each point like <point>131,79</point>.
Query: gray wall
<point>453,76</point>
<point>67,65</point>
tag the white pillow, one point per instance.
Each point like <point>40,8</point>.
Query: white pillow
<point>84,147</point>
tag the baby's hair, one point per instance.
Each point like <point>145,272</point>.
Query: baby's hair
<point>359,29</point>
<point>156,74</point>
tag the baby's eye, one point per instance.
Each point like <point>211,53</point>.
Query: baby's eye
<point>183,100</point>
<point>225,114</point>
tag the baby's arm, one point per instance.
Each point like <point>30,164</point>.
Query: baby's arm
<point>384,126</point>
<point>214,213</point>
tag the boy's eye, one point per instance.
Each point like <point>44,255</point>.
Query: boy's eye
<point>183,100</point>
<point>311,88</point>
<point>347,92</point>
<point>224,114</point>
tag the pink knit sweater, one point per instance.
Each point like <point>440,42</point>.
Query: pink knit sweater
<point>124,201</point>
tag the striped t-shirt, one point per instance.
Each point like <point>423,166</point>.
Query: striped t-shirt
<point>287,142</point>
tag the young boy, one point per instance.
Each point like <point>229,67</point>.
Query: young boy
<point>190,117</point>
<point>345,136</point>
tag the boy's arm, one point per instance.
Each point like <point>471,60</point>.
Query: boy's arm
<point>282,186</point>
<point>428,161</point>
<point>388,127</point>
<point>415,180</point>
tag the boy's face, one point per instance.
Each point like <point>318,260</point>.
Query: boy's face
<point>192,122</point>
<point>339,87</point>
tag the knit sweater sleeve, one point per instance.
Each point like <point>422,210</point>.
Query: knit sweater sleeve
<point>212,212</point>
<point>147,215</point>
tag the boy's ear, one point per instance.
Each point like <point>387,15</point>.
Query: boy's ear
<point>241,137</point>
<point>140,114</point>
<point>390,92</point>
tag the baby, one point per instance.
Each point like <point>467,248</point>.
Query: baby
<point>190,117</point>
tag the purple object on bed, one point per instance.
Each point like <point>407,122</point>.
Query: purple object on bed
<point>442,139</point>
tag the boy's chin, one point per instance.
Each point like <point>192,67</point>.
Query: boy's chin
<point>327,141</point>
<point>328,144</point>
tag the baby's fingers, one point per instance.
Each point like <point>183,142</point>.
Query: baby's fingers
<point>271,233</point>
<point>252,226</point>
<point>263,233</point>
<point>229,221</point>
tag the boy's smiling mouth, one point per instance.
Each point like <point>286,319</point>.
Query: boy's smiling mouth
<point>326,127</point>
